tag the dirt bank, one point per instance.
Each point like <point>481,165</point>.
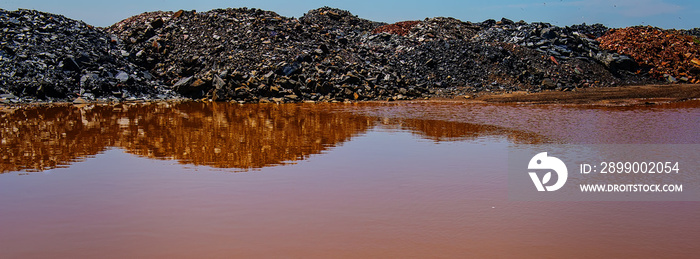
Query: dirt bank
<point>624,95</point>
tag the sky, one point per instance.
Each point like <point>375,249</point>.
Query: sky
<point>668,14</point>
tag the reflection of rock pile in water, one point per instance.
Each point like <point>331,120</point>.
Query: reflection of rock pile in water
<point>237,136</point>
<point>213,134</point>
<point>439,130</point>
<point>45,138</point>
<point>219,135</point>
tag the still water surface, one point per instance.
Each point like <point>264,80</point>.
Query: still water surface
<point>406,180</point>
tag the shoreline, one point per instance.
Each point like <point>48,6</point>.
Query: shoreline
<point>618,96</point>
<point>602,96</point>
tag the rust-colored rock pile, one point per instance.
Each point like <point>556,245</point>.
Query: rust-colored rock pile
<point>399,28</point>
<point>666,53</point>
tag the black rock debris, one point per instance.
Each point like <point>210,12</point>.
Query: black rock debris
<point>251,55</point>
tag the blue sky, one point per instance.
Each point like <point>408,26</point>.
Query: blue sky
<point>679,14</point>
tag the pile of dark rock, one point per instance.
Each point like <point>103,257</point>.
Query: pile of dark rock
<point>251,55</point>
<point>445,55</point>
<point>692,32</point>
<point>52,58</point>
<point>561,43</point>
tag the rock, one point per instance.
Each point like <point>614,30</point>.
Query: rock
<point>218,83</point>
<point>275,89</point>
<point>695,61</point>
<point>548,84</point>
<point>624,63</point>
<point>88,81</point>
<point>197,83</point>
<point>69,64</point>
<point>548,33</point>
<point>157,23</point>
<point>122,76</point>
<point>505,21</point>
<point>80,101</point>
<point>670,78</point>
<point>183,82</point>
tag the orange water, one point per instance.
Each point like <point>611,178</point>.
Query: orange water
<point>405,180</point>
